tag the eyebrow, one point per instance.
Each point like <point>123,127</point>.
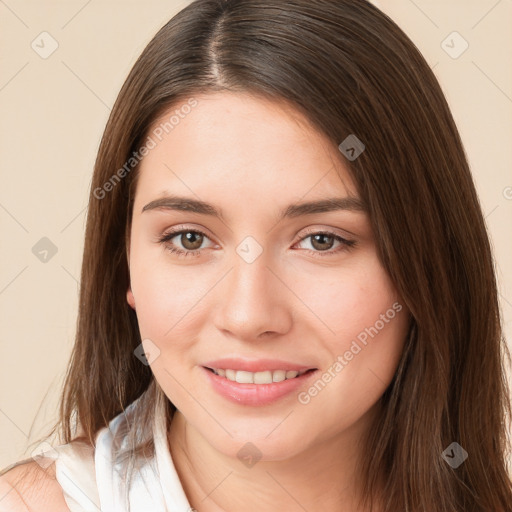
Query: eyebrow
<point>291,211</point>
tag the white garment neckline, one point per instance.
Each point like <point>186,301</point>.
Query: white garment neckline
<point>91,480</point>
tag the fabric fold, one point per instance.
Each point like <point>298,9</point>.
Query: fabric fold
<point>92,480</point>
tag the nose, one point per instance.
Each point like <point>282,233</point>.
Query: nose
<point>253,302</point>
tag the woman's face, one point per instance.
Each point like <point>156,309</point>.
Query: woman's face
<point>258,287</point>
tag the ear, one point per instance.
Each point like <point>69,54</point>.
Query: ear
<point>130,298</point>
<point>129,294</point>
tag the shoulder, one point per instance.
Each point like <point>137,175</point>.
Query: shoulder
<point>28,487</point>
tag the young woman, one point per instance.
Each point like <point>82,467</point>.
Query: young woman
<point>288,299</point>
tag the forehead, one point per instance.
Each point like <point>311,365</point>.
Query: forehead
<point>243,146</point>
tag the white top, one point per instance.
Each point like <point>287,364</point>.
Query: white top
<point>90,481</point>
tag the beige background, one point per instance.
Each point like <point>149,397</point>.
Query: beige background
<point>53,112</point>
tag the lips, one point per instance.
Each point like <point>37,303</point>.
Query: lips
<point>257,365</point>
<point>253,393</point>
<point>266,377</point>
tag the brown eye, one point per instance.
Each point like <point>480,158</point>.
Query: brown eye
<point>191,240</point>
<point>319,242</point>
<point>326,243</point>
<point>184,242</point>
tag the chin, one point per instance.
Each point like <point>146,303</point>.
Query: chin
<point>257,443</point>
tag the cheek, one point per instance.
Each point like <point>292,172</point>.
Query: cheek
<point>168,305</point>
<point>367,325</point>
<point>347,300</point>
<point>166,294</point>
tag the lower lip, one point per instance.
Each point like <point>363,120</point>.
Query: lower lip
<point>255,394</point>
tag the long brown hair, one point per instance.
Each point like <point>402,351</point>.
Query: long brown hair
<point>350,70</point>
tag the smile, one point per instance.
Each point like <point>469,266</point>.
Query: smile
<point>256,388</point>
<point>264,377</point>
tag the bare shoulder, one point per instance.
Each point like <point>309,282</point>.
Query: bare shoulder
<point>28,487</point>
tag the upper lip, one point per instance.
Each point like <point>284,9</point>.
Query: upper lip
<point>255,365</point>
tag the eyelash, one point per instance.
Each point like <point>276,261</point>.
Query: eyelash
<point>345,244</point>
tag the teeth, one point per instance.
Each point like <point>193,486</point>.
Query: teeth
<point>244,377</point>
<point>279,375</point>
<point>266,377</point>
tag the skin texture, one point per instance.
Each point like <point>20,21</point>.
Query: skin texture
<point>30,487</point>
<point>252,157</point>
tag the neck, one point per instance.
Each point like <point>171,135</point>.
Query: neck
<point>315,479</point>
